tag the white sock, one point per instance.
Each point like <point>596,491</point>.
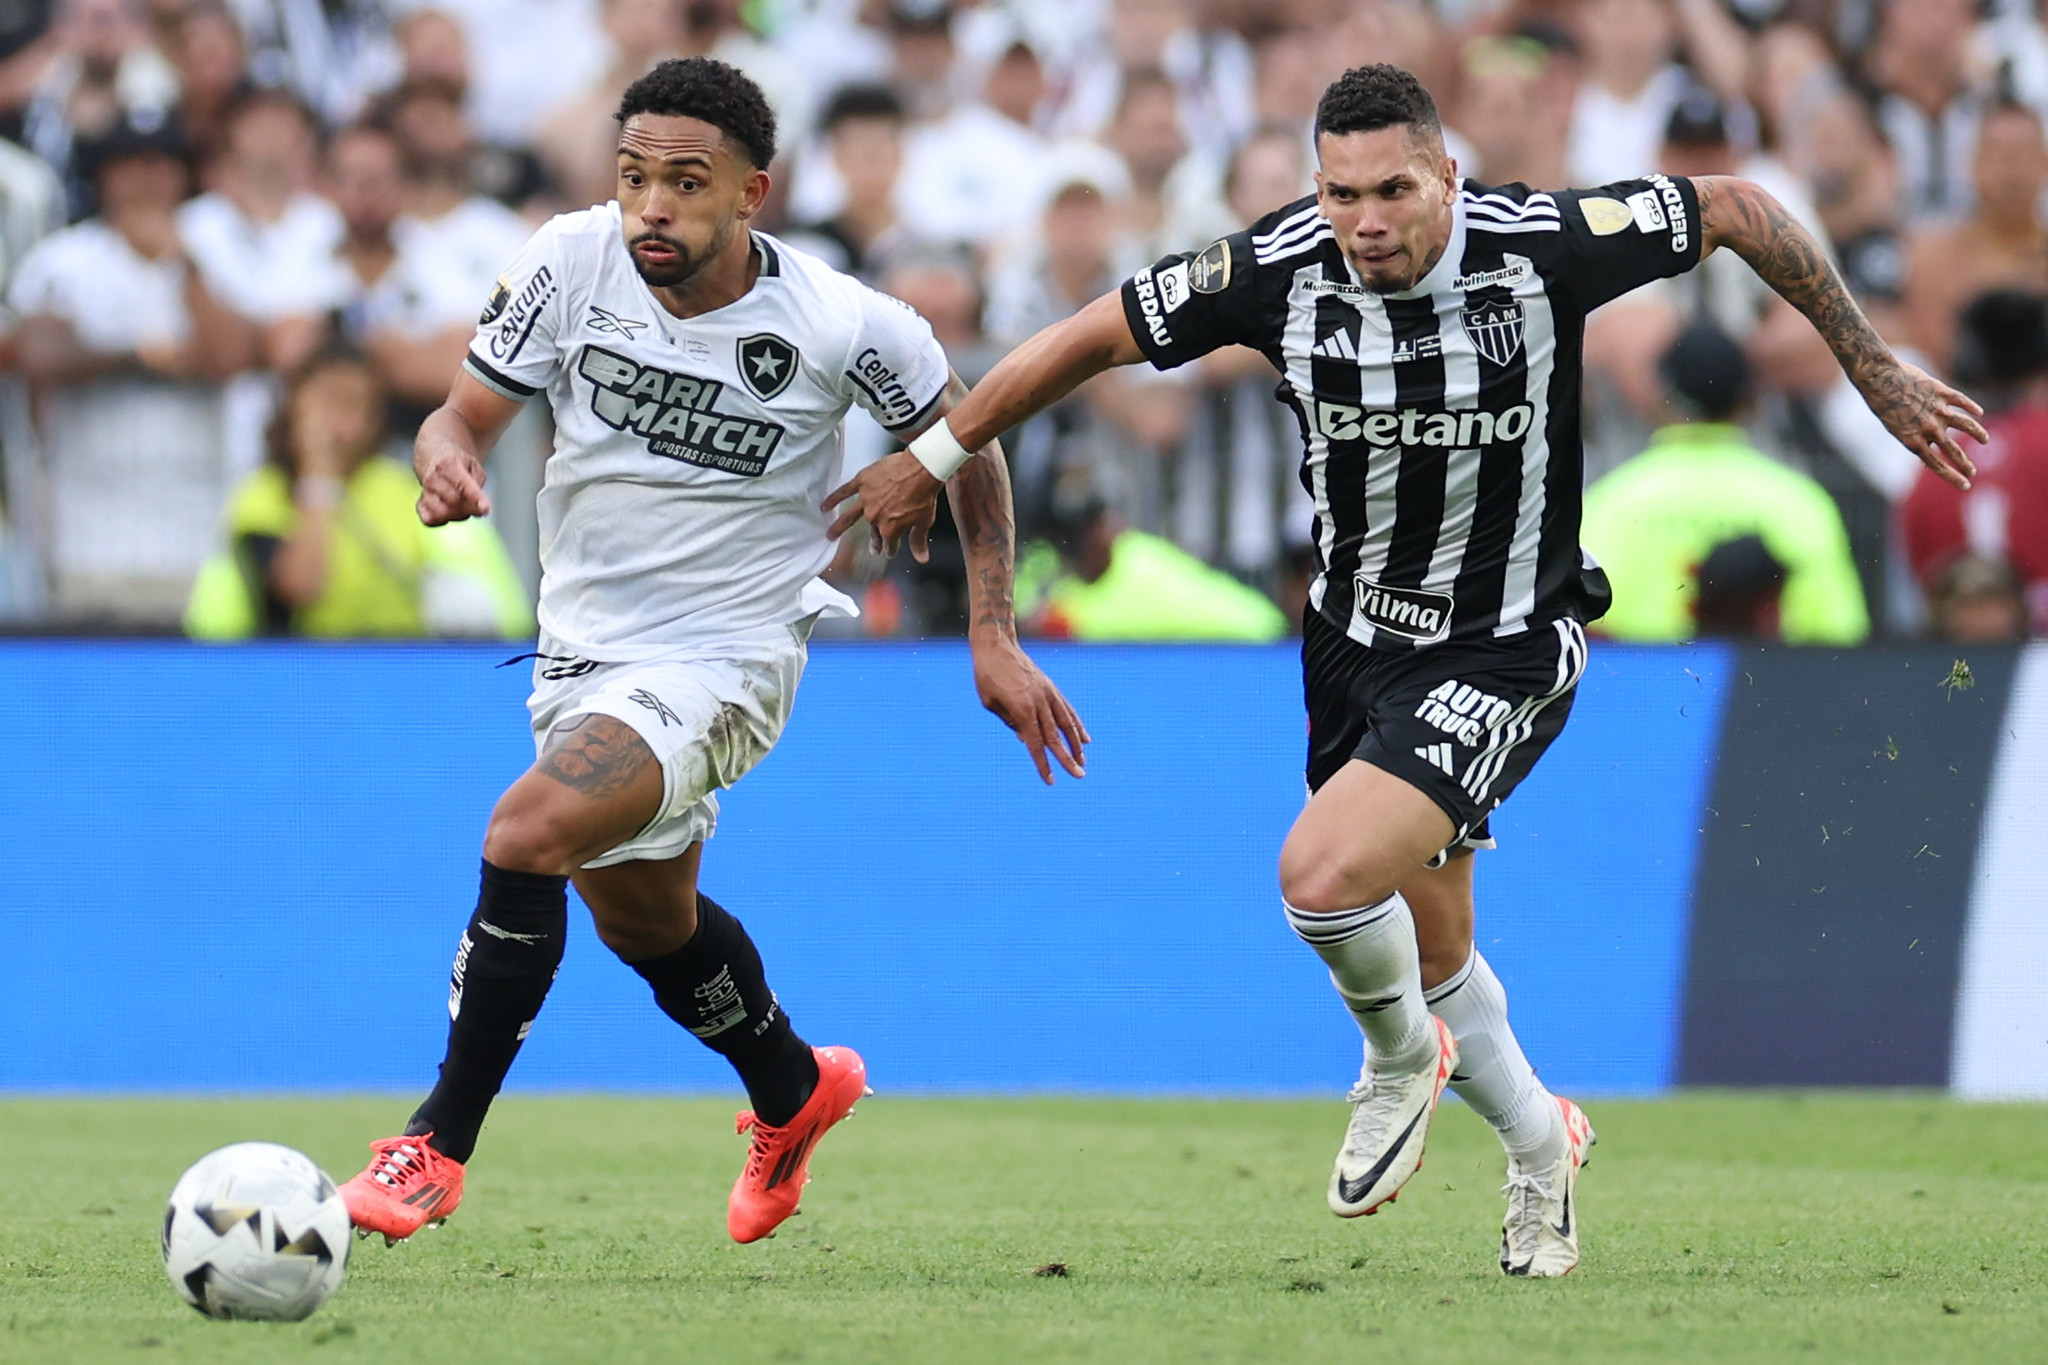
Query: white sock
<point>1373,964</point>
<point>1492,1075</point>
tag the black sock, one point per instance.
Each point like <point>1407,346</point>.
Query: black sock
<point>503,967</point>
<point>714,987</point>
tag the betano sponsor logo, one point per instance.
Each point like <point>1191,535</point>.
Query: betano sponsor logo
<point>1414,427</point>
<point>676,414</point>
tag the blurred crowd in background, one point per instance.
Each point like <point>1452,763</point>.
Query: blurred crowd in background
<point>245,242</point>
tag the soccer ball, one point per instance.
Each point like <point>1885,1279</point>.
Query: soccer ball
<point>256,1231</point>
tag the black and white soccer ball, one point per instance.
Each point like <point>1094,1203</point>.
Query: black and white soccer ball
<point>256,1231</point>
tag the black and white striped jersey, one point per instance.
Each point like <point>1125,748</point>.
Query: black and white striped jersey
<point>1440,425</point>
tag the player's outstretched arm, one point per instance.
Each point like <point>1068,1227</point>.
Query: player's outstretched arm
<point>448,455</point>
<point>1921,411</point>
<point>898,495</point>
<point>1010,684</point>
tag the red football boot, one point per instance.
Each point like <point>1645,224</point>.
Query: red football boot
<point>406,1186</point>
<point>779,1161</point>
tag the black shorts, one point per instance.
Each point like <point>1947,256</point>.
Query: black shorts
<point>1465,720</point>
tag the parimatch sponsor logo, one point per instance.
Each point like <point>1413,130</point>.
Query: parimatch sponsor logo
<point>1408,613</point>
<point>677,414</point>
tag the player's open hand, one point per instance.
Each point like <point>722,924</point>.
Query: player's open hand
<point>897,496</point>
<point>1025,700</point>
<point>451,488</point>
<point>1925,414</point>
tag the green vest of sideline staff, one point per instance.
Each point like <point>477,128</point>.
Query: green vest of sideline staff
<point>1123,584</point>
<point>323,541</point>
<point>1655,520</point>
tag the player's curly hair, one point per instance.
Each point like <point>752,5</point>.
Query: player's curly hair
<point>1366,99</point>
<point>706,88</point>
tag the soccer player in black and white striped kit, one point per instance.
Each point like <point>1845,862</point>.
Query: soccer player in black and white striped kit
<point>1428,334</point>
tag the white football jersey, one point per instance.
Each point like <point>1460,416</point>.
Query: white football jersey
<point>680,504</point>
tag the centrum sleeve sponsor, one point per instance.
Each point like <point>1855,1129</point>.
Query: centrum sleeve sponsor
<point>516,320</point>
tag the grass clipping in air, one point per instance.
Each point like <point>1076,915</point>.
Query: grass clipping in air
<point>1717,1228</point>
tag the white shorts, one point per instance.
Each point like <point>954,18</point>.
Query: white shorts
<point>709,712</point>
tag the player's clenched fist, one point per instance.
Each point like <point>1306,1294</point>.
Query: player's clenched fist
<point>451,487</point>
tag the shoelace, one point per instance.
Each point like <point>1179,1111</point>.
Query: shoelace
<point>397,1163</point>
<point>757,1150</point>
<point>1370,1124</point>
<point>1525,1222</point>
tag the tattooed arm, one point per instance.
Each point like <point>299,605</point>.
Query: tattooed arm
<point>1010,685</point>
<point>1921,411</point>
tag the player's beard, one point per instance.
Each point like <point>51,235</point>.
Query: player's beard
<point>685,264</point>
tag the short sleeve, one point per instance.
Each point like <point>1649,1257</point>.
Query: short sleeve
<point>37,286</point>
<point>1184,306</point>
<point>1622,236</point>
<point>895,370</point>
<point>517,346</point>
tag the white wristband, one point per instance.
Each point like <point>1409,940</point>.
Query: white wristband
<point>938,451</point>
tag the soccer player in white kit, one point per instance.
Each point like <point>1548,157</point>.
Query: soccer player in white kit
<point>698,373</point>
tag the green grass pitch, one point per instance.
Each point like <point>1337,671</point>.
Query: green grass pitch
<point>1718,1228</point>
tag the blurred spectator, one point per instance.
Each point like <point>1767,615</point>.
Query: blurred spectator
<point>324,541</point>
<point>334,54</point>
<point>1289,74</point>
<point>126,347</point>
<point>1653,522</point>
<point>2001,244</point>
<point>263,239</point>
<point>1920,68</point>
<point>1209,67</point>
<point>521,59</point>
<point>213,67</point>
<point>578,142</point>
<point>1977,600</point>
<point>1854,181</point>
<point>922,56</point>
<point>2002,359</point>
<point>1630,87</point>
<point>265,244</point>
<point>1118,583</point>
<point>103,70</point>
<point>428,117</point>
<point>979,171</point>
<point>1741,592</point>
<point>1505,111</point>
<point>863,131</point>
<point>422,252</point>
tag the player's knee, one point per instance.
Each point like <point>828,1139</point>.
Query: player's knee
<point>1324,885</point>
<point>522,838</point>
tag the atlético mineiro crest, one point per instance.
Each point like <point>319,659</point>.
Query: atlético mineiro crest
<point>767,364</point>
<point>1495,327</point>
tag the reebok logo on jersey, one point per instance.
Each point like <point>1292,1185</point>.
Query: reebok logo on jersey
<point>676,414</point>
<point>892,401</point>
<point>1413,427</point>
<point>1409,613</point>
<point>1462,711</point>
<point>516,319</point>
<point>1148,305</point>
<point>605,320</point>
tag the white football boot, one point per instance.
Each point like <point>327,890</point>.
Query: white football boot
<point>1540,1236</point>
<point>1389,1123</point>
